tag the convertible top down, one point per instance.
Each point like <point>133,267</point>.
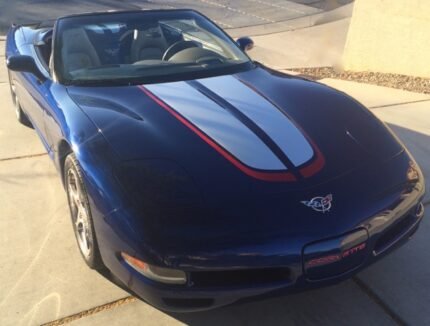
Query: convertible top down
<point>199,177</point>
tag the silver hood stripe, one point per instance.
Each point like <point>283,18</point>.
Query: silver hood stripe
<point>263,113</point>
<point>218,124</point>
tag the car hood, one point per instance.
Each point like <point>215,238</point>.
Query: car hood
<point>258,125</point>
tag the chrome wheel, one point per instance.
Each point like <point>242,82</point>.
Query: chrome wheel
<point>15,100</point>
<point>17,108</point>
<point>20,115</point>
<point>80,215</point>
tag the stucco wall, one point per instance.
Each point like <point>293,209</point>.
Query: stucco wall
<point>389,36</point>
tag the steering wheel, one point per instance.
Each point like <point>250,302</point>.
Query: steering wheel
<point>176,47</point>
<point>210,58</point>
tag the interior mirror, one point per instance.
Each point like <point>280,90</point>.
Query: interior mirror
<point>24,63</point>
<point>245,43</point>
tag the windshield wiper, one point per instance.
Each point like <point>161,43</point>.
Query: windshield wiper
<point>116,65</point>
<point>100,82</point>
<point>167,64</point>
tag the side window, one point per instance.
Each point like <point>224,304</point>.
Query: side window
<point>44,50</point>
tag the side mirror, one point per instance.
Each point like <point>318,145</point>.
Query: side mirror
<point>245,43</point>
<point>24,63</point>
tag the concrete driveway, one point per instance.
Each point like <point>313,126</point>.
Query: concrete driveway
<point>43,278</point>
<point>227,13</point>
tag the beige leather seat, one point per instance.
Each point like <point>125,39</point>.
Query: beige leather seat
<point>77,51</point>
<point>148,44</point>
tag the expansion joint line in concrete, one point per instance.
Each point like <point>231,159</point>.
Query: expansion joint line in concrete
<point>378,301</point>
<point>22,156</point>
<point>397,104</point>
<point>91,311</point>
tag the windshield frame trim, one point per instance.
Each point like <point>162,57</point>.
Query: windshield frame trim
<point>143,80</point>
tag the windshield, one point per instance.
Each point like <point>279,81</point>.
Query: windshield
<point>142,47</point>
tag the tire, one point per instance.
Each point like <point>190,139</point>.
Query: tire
<point>80,213</point>
<point>20,114</point>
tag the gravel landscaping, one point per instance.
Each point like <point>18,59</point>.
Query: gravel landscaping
<point>408,83</point>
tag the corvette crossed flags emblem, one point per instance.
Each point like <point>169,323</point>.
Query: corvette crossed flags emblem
<point>319,204</point>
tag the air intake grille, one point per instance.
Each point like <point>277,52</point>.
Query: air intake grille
<point>240,277</point>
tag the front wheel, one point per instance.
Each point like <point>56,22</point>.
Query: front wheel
<point>81,213</point>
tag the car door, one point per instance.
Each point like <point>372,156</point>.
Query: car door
<point>33,96</point>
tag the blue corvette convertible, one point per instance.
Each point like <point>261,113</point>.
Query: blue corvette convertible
<point>198,177</point>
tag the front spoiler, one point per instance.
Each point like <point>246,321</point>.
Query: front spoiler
<point>189,297</point>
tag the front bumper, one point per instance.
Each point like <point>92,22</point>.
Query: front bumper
<point>380,235</point>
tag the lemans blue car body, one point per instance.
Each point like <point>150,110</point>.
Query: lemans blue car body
<point>218,182</point>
